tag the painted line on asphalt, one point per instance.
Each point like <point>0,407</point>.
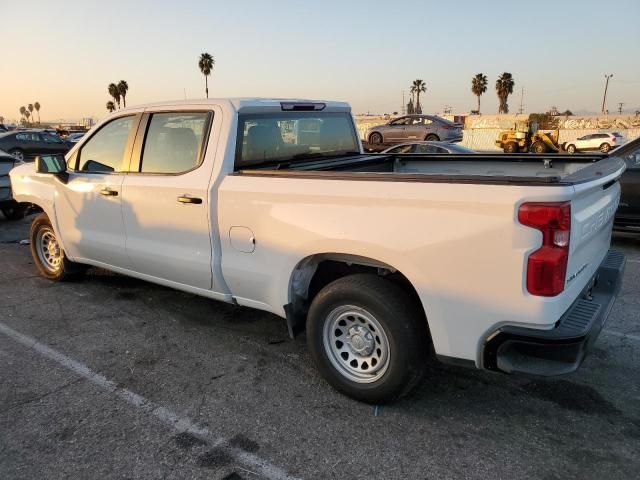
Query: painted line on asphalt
<point>632,260</point>
<point>622,335</point>
<point>172,419</point>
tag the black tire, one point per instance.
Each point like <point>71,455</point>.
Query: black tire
<point>571,148</point>
<point>14,211</point>
<point>375,138</point>
<point>17,153</point>
<point>511,147</point>
<point>605,148</point>
<point>66,269</point>
<point>432,137</point>
<point>402,325</point>
<point>538,147</point>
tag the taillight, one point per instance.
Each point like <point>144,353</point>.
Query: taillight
<point>547,266</point>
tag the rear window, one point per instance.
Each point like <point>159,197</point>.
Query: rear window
<point>279,137</point>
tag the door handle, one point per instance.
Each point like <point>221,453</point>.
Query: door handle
<point>187,199</point>
<point>107,192</point>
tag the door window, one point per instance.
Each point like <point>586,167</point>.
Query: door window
<point>174,142</point>
<point>402,121</point>
<point>28,137</point>
<point>104,152</point>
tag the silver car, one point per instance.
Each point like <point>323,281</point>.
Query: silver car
<point>441,148</point>
<point>415,127</point>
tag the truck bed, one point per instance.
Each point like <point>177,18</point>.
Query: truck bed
<point>463,168</point>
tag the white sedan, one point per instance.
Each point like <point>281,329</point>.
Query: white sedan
<point>595,141</point>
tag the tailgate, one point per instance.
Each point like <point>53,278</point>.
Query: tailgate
<point>593,208</point>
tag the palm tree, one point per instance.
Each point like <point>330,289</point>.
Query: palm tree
<point>123,88</point>
<point>22,112</point>
<point>114,92</point>
<point>27,114</point>
<point>111,107</point>
<point>479,86</point>
<point>30,108</point>
<point>504,88</point>
<point>206,64</point>
<point>418,86</point>
<point>36,105</point>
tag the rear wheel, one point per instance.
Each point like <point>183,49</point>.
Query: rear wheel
<point>367,338</point>
<point>17,153</point>
<point>375,138</point>
<point>571,148</point>
<point>538,147</point>
<point>511,147</point>
<point>432,137</point>
<point>47,253</point>
<point>605,147</point>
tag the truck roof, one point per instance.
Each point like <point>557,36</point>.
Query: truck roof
<point>250,103</point>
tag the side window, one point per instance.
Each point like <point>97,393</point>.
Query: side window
<point>104,152</point>
<point>51,138</point>
<point>174,142</point>
<point>402,121</point>
<point>21,137</point>
<point>633,159</point>
<point>403,149</point>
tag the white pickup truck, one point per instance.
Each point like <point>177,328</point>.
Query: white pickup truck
<point>500,262</point>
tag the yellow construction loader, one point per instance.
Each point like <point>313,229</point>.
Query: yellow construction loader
<point>525,137</point>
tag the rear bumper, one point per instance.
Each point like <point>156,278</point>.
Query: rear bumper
<point>561,350</point>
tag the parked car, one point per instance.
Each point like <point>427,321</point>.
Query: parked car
<point>74,137</point>
<point>628,214</point>
<point>11,209</point>
<point>604,142</point>
<point>428,147</point>
<point>25,143</point>
<point>415,127</point>
<point>271,204</point>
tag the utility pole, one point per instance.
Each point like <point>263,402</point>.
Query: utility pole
<point>521,110</point>
<point>404,106</point>
<point>606,85</point>
<point>620,104</point>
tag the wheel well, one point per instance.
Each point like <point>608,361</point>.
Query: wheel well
<point>317,271</point>
<point>375,133</point>
<point>437,138</point>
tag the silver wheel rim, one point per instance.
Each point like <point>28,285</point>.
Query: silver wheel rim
<point>48,248</point>
<point>18,154</point>
<point>356,344</point>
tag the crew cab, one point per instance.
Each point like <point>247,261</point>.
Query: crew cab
<point>495,262</point>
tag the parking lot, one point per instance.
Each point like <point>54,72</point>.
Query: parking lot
<point>114,377</point>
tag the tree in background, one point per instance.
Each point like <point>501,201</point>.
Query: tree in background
<point>410,107</point>
<point>30,108</point>
<point>206,63</point>
<point>479,86</point>
<point>23,109</point>
<point>123,88</point>
<point>27,114</point>
<point>36,105</point>
<point>504,88</point>
<point>418,86</point>
<point>115,93</point>
<point>111,106</point>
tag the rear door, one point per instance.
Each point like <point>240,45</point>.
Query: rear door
<point>416,129</point>
<point>166,201</point>
<point>395,131</point>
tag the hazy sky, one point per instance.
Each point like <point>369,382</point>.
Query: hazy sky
<point>64,54</point>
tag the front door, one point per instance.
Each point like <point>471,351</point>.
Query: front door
<point>88,207</point>
<point>166,204</point>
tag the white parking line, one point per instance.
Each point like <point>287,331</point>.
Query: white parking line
<point>172,419</point>
<point>632,260</point>
<point>622,335</point>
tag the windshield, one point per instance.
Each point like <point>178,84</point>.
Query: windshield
<point>287,136</point>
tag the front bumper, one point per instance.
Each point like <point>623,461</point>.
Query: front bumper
<point>561,350</point>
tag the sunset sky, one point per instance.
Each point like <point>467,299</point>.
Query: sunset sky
<point>64,54</point>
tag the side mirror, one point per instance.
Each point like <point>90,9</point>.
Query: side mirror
<point>53,165</point>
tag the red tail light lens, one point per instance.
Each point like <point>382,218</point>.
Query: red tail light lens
<point>547,266</point>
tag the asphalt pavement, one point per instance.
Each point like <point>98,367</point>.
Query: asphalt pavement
<point>113,377</point>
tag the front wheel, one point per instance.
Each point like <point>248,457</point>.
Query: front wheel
<point>511,147</point>
<point>367,338</point>
<point>571,149</point>
<point>375,138</point>
<point>605,147</point>
<point>48,254</point>
<point>432,138</point>
<point>538,147</point>
<point>17,153</point>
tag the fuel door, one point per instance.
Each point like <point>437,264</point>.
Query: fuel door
<point>242,239</point>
